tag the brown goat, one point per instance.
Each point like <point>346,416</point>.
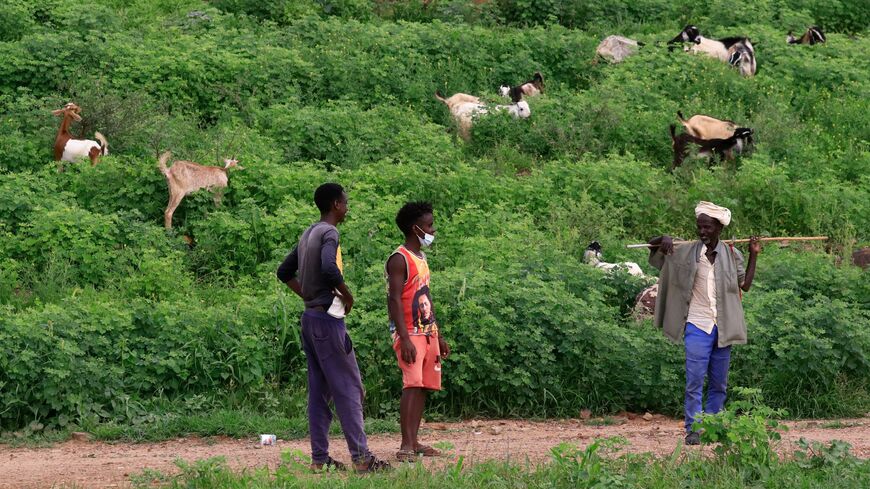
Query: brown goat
<point>67,148</point>
<point>186,177</point>
<point>706,127</point>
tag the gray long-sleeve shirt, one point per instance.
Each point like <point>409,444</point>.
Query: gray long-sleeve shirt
<point>314,259</point>
<point>675,291</point>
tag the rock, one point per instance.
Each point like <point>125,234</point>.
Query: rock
<point>647,417</point>
<point>617,48</point>
<point>81,436</point>
<point>585,414</point>
<point>861,258</point>
<point>495,430</point>
<point>436,426</point>
<point>475,423</point>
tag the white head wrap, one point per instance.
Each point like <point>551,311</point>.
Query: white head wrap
<point>719,213</point>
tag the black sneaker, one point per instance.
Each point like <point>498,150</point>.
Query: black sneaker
<point>373,464</point>
<point>693,438</point>
<point>331,465</point>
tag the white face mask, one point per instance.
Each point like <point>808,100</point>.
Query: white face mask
<point>427,238</point>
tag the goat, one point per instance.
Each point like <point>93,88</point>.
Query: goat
<point>464,108</point>
<point>736,51</point>
<point>617,48</point>
<point>706,127</point>
<point>812,36</point>
<point>529,88</point>
<point>723,148</point>
<point>66,148</point>
<point>186,177</point>
<point>592,256</point>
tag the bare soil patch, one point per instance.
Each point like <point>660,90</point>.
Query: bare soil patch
<point>89,464</point>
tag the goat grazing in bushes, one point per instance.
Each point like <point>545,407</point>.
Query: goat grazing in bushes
<point>705,127</point>
<point>186,177</point>
<point>464,108</point>
<point>530,88</point>
<point>592,256</point>
<point>67,148</point>
<point>813,35</point>
<point>724,149</point>
<point>736,51</point>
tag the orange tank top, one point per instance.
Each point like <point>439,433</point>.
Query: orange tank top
<point>417,309</point>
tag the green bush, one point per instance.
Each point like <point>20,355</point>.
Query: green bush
<point>106,315</point>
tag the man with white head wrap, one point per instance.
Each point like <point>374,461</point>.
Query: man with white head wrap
<point>699,303</point>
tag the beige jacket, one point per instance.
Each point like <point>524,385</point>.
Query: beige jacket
<point>675,291</point>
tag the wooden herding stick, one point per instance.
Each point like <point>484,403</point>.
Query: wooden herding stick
<point>732,241</point>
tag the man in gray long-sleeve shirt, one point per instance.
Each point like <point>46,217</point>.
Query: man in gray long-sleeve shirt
<point>314,271</point>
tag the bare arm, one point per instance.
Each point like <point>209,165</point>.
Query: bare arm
<point>754,250</point>
<point>396,276</point>
<point>661,246</point>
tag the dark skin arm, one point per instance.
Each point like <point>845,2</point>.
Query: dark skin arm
<point>346,297</point>
<point>396,280</point>
<point>665,243</point>
<point>754,250</point>
<point>295,286</point>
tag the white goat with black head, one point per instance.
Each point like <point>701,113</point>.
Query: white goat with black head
<point>592,256</point>
<point>464,108</point>
<point>813,35</point>
<point>736,51</point>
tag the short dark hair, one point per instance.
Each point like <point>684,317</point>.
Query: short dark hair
<point>326,194</point>
<point>410,212</point>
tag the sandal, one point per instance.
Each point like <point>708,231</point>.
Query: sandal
<point>406,456</point>
<point>373,464</point>
<point>330,465</point>
<point>427,451</point>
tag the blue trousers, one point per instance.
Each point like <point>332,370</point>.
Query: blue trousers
<point>333,374</point>
<point>704,359</point>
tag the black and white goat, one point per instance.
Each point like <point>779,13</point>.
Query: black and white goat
<point>813,35</point>
<point>529,88</point>
<point>736,51</point>
<point>724,149</point>
<point>592,256</point>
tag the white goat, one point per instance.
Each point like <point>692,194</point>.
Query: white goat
<point>736,51</point>
<point>592,256</point>
<point>464,108</point>
<point>66,148</point>
<point>706,127</point>
<point>186,177</point>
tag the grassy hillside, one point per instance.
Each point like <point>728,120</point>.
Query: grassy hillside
<point>107,317</point>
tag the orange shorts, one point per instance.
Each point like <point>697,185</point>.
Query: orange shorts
<point>426,371</point>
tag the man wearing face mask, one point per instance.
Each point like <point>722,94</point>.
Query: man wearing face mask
<point>699,302</point>
<point>417,342</point>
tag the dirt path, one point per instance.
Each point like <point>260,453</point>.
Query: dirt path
<point>100,465</point>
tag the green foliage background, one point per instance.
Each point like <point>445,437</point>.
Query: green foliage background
<point>106,317</point>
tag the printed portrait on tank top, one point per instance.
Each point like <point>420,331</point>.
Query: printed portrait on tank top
<point>422,312</point>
